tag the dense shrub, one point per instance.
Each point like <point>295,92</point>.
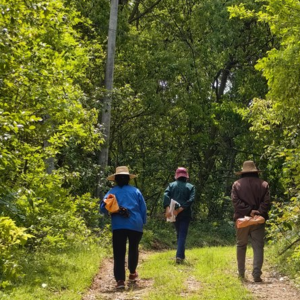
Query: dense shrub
<point>11,238</point>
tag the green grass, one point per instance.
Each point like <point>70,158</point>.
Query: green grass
<point>62,275</point>
<point>208,273</point>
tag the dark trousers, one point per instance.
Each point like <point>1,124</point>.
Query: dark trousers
<point>120,237</point>
<point>256,234</point>
<point>182,226</point>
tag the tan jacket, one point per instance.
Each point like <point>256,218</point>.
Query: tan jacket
<point>250,193</point>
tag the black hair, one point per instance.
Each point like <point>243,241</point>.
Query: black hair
<point>250,174</point>
<point>122,180</point>
<point>183,179</point>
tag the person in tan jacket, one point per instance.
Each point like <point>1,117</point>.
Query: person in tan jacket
<point>250,196</point>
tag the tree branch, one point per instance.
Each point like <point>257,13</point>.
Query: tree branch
<point>132,19</point>
<point>290,246</point>
<point>135,10</point>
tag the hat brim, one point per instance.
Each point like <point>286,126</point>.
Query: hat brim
<point>182,175</point>
<point>243,172</point>
<point>112,177</point>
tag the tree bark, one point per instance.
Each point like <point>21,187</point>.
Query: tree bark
<point>109,75</point>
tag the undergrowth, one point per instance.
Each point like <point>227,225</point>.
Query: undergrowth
<point>287,262</point>
<point>63,274</point>
<point>159,234</point>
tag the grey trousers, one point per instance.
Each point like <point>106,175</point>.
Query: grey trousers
<point>256,233</point>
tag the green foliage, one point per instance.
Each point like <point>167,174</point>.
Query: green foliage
<point>42,61</point>
<point>159,234</point>
<point>11,238</point>
<point>210,234</point>
<point>57,274</point>
<point>87,208</point>
<point>286,263</point>
<point>275,119</point>
<point>181,75</point>
<point>47,129</point>
<point>188,86</point>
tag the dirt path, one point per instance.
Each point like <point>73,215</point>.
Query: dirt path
<point>103,286</point>
<point>273,287</point>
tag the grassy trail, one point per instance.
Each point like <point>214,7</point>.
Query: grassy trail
<point>207,273</point>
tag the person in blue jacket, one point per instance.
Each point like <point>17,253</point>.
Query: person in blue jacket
<point>127,223</point>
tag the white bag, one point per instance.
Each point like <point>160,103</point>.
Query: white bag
<point>172,208</point>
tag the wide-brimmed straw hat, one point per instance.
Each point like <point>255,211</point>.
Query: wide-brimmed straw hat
<point>123,170</point>
<point>248,167</point>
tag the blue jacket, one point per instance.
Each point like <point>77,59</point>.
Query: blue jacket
<point>131,198</point>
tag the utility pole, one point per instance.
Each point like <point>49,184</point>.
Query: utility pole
<point>109,76</point>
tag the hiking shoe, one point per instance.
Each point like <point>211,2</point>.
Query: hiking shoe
<point>257,279</point>
<point>120,284</point>
<point>179,260</point>
<point>242,278</point>
<point>133,277</point>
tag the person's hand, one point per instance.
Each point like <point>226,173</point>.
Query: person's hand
<point>254,213</point>
<point>178,211</point>
<point>123,212</point>
<point>168,213</point>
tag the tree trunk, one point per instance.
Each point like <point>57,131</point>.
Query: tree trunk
<point>109,75</point>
